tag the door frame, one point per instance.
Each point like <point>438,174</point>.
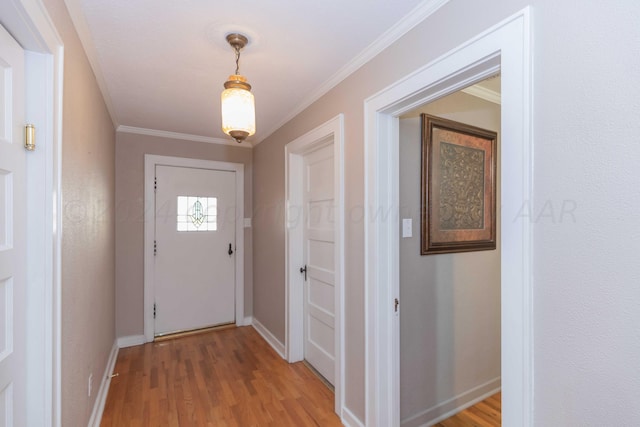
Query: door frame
<point>331,132</point>
<point>150,163</point>
<point>30,24</point>
<point>505,48</point>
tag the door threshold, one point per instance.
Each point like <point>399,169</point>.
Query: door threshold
<point>320,376</point>
<point>182,334</point>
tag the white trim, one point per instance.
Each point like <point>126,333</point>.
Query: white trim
<point>181,136</point>
<point>269,337</point>
<point>329,133</point>
<point>421,12</point>
<point>452,406</point>
<point>30,24</point>
<point>247,321</point>
<point>101,398</point>
<point>349,419</point>
<point>130,341</point>
<point>39,244</point>
<point>483,93</point>
<point>506,47</point>
<point>84,33</point>
<point>150,162</point>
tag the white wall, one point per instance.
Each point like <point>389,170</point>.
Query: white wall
<point>450,316</point>
<point>586,213</point>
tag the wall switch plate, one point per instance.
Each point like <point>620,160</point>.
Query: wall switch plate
<point>407,227</point>
<point>247,223</point>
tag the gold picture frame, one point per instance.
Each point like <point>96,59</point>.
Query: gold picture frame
<point>458,188</point>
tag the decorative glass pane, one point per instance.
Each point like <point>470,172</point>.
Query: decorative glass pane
<point>197,213</point>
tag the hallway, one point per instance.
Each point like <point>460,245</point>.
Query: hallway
<point>229,377</point>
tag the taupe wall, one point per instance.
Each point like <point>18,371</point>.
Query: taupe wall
<point>268,237</point>
<point>450,317</point>
<point>584,207</point>
<point>88,236</point>
<point>130,151</point>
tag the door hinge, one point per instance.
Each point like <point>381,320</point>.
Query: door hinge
<point>154,310</point>
<point>30,137</point>
<point>155,248</point>
<point>395,304</point>
<point>155,183</point>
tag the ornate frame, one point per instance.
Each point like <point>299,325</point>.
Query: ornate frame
<point>458,191</point>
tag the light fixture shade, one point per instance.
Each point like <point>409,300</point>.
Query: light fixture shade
<point>238,108</point>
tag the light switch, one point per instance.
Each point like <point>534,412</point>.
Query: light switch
<point>407,227</point>
<point>247,223</point>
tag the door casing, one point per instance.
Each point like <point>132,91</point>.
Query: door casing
<point>504,48</point>
<point>331,132</point>
<point>150,162</point>
<point>31,26</point>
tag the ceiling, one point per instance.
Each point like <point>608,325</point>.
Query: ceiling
<point>161,64</point>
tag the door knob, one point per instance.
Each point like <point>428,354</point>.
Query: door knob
<point>304,270</point>
<point>230,250</point>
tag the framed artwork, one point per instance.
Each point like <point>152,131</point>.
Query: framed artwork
<point>458,190</point>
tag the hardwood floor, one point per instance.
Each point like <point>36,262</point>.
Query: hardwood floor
<point>223,378</point>
<point>483,414</point>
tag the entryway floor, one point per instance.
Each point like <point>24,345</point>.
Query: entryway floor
<point>222,378</point>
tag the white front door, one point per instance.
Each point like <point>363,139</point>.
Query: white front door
<point>12,234</point>
<point>194,248</point>
<point>319,255</point>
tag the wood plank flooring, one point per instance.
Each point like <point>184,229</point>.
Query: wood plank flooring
<point>228,378</point>
<point>483,414</point>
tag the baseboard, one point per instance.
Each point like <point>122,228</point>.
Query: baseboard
<point>350,420</point>
<point>247,321</point>
<point>101,398</point>
<point>131,340</point>
<point>268,337</point>
<point>452,406</point>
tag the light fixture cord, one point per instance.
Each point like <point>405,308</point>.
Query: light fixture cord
<point>237,60</point>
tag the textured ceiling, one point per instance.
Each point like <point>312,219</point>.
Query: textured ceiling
<point>161,63</point>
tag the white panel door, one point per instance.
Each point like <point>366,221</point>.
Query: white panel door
<point>12,234</point>
<point>195,248</point>
<point>319,247</point>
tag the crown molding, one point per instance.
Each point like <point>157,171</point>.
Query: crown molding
<point>483,93</point>
<point>181,136</point>
<point>413,18</point>
<point>406,24</point>
<point>84,34</point>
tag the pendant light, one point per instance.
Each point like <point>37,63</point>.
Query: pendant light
<point>238,105</point>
